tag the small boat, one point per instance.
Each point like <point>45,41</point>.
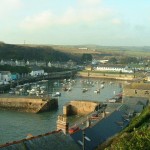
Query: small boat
<point>69,89</point>
<point>65,89</point>
<point>102,86</point>
<point>56,94</point>
<point>112,100</point>
<point>84,90</point>
<point>73,129</point>
<point>97,91</point>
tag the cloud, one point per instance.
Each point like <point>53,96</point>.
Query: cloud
<point>117,21</point>
<point>38,21</point>
<point>89,2</point>
<point>8,7</point>
<point>72,16</point>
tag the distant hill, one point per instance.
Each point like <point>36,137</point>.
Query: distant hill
<point>30,52</point>
<point>138,51</point>
<point>66,52</point>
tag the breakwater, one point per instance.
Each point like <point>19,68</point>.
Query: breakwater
<point>26,104</point>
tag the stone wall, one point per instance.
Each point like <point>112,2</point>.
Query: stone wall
<point>25,104</point>
<point>106,75</point>
<point>80,107</point>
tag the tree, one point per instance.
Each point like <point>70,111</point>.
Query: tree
<point>86,58</point>
<point>112,60</point>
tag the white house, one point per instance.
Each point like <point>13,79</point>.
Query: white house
<point>36,71</point>
<point>113,68</point>
<point>5,76</point>
<point>104,61</point>
<point>49,64</point>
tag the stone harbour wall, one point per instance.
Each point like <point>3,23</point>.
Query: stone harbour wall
<point>106,76</point>
<point>34,105</point>
<point>78,107</point>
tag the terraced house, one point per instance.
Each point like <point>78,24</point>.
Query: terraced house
<point>112,68</point>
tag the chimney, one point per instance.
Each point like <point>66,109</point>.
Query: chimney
<point>62,123</point>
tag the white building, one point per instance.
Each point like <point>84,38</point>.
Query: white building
<point>5,76</point>
<point>49,64</point>
<point>113,69</point>
<point>36,71</point>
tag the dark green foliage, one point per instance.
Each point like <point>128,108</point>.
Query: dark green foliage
<point>139,120</point>
<point>113,60</point>
<point>86,58</point>
<point>128,60</point>
<point>44,53</point>
<point>15,69</point>
<point>137,140</point>
<point>53,69</point>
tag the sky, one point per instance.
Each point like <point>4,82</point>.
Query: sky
<point>75,22</point>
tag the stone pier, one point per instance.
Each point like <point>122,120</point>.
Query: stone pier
<point>28,104</point>
<point>80,107</point>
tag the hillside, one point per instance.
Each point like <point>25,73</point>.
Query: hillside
<point>115,50</point>
<point>135,136</point>
<point>40,53</point>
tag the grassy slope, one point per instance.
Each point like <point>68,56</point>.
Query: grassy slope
<point>135,136</point>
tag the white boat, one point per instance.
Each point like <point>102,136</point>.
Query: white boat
<point>97,91</point>
<point>84,90</point>
<point>56,94</point>
<point>69,89</point>
<point>102,86</point>
<point>112,100</point>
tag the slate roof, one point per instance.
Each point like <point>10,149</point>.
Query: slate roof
<point>134,100</point>
<point>104,129</point>
<point>56,140</point>
<point>36,68</point>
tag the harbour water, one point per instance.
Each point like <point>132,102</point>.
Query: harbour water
<point>16,125</point>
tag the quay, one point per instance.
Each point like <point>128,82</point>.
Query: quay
<point>28,103</point>
<point>92,74</point>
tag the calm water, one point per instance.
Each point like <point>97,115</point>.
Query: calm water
<point>16,125</point>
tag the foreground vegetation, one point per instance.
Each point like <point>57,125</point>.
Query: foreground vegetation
<point>135,137</point>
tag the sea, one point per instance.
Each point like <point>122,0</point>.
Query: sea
<point>17,125</point>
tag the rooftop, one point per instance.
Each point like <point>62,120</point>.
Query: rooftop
<point>56,140</point>
<point>139,86</point>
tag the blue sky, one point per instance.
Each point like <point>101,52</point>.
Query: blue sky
<point>69,22</point>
